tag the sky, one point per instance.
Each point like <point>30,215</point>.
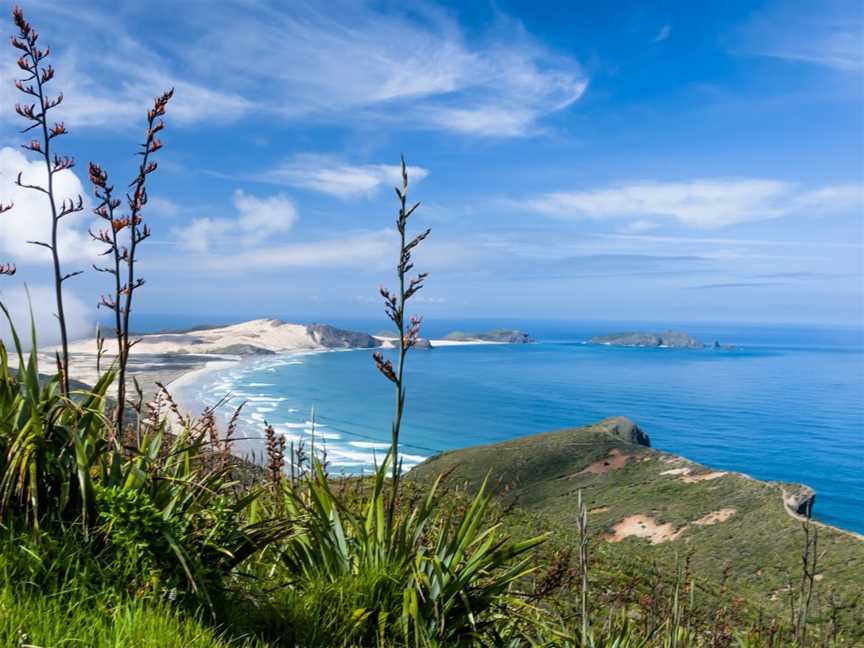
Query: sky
<point>668,162</point>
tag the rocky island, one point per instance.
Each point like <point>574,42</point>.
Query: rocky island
<point>500,335</point>
<point>665,340</point>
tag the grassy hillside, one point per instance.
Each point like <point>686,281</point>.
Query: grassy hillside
<point>651,508</point>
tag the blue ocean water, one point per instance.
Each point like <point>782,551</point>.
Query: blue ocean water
<point>786,404</point>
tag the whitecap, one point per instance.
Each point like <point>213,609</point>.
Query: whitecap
<point>371,445</point>
<point>340,454</point>
<point>318,434</point>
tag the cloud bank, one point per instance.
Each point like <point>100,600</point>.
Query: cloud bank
<point>701,204</point>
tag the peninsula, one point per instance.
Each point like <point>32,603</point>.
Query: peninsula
<point>648,507</point>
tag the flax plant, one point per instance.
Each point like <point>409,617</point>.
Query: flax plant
<point>122,235</point>
<point>394,307</point>
<point>38,75</point>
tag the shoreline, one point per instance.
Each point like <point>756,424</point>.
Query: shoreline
<point>210,366</point>
<point>176,386</point>
<point>215,363</point>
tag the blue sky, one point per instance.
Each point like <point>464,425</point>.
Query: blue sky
<point>688,161</point>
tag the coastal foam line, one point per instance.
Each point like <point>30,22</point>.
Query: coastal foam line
<point>225,379</point>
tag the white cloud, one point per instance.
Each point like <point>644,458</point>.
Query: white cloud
<point>706,204</point>
<point>350,63</point>
<point>335,177</point>
<point>256,220</point>
<point>30,218</point>
<point>79,316</point>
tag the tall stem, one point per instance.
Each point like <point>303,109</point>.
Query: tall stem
<point>55,222</point>
<point>118,328</point>
<point>400,390</point>
<point>134,238</point>
<point>394,306</point>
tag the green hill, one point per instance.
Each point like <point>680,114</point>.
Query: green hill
<point>648,507</point>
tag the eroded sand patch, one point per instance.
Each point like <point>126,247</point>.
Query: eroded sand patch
<point>692,479</point>
<point>716,517</point>
<point>615,460</point>
<point>643,526</point>
<point>676,471</point>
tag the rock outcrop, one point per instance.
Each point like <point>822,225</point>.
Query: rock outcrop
<point>799,500</point>
<point>331,337</point>
<point>623,428</point>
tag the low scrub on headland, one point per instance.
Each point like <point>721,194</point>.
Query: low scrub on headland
<point>125,523</point>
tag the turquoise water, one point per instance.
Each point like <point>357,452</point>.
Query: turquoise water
<point>787,404</point>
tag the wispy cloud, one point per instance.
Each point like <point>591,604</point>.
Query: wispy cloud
<point>827,33</point>
<point>357,64</point>
<point>333,176</point>
<point>740,284</point>
<point>114,89</point>
<point>704,203</point>
<point>664,33</point>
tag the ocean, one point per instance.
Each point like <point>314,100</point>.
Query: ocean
<point>786,404</point>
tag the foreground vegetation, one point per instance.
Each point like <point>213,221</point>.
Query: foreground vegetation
<point>174,542</point>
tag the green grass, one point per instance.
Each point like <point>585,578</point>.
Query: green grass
<point>28,618</point>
